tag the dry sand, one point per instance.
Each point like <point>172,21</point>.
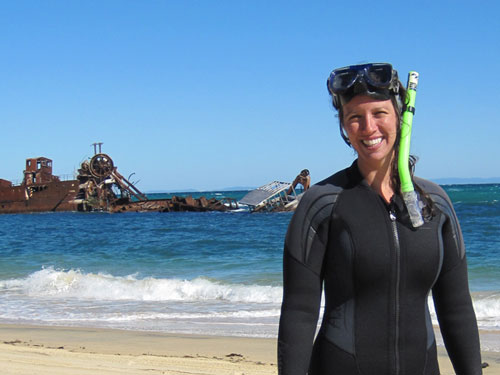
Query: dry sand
<point>34,350</point>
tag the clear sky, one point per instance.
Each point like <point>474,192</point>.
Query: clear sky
<point>214,94</point>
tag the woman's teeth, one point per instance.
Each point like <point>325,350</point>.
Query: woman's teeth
<point>372,142</point>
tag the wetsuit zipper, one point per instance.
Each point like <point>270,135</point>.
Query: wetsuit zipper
<point>392,216</point>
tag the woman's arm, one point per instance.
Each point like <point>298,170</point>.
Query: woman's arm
<point>452,300</point>
<point>305,246</point>
<point>299,316</point>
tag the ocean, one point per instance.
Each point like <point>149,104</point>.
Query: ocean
<point>203,273</point>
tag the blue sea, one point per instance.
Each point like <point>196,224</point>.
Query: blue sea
<point>204,273</point>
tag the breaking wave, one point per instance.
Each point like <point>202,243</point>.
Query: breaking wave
<point>49,282</point>
<point>73,297</point>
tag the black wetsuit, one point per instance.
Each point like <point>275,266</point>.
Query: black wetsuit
<point>377,273</point>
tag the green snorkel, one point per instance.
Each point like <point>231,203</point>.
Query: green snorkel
<point>407,190</point>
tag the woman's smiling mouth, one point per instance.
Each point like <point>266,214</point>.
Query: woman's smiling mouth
<point>372,142</point>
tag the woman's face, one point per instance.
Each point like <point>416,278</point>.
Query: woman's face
<point>371,126</point>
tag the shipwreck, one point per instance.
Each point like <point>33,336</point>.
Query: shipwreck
<point>98,186</point>
<point>277,196</point>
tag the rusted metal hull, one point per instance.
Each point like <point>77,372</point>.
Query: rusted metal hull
<point>60,196</point>
<point>51,196</point>
<point>176,204</point>
<point>95,189</point>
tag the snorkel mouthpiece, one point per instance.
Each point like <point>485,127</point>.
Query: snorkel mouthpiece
<point>414,208</point>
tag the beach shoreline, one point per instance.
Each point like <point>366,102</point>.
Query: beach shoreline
<point>54,350</point>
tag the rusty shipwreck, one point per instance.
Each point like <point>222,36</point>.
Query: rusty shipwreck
<point>98,186</point>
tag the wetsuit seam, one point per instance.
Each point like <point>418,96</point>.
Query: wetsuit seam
<point>327,311</point>
<point>354,296</point>
<point>447,210</point>
<point>439,239</point>
<point>306,243</point>
<point>425,361</point>
<point>460,263</point>
<point>352,249</point>
<point>294,258</point>
<point>313,217</point>
<point>324,337</point>
<point>353,355</point>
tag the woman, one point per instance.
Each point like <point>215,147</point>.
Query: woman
<point>351,234</point>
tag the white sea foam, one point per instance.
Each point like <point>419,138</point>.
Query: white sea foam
<point>76,298</point>
<point>53,283</point>
<point>229,316</point>
<point>486,307</point>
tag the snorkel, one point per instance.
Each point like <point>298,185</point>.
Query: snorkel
<point>408,192</point>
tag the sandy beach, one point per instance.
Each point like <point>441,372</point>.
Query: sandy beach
<point>79,351</point>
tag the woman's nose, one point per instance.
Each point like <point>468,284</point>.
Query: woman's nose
<point>369,123</point>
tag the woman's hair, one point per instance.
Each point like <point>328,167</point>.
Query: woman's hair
<point>428,209</point>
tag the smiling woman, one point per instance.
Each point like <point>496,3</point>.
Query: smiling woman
<point>371,128</point>
<point>352,234</point>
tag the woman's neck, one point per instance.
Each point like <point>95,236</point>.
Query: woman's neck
<point>379,177</point>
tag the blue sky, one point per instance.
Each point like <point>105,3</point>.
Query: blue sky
<point>212,94</point>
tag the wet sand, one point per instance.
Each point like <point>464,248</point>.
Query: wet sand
<point>46,350</point>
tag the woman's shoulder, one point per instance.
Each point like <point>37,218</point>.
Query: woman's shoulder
<point>443,202</point>
<point>438,195</point>
<point>330,185</point>
<point>341,180</point>
<point>431,188</point>
<point>323,193</point>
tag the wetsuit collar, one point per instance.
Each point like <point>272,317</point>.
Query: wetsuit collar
<point>355,175</point>
<point>396,204</point>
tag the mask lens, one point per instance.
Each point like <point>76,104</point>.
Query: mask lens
<point>379,75</point>
<point>341,80</point>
